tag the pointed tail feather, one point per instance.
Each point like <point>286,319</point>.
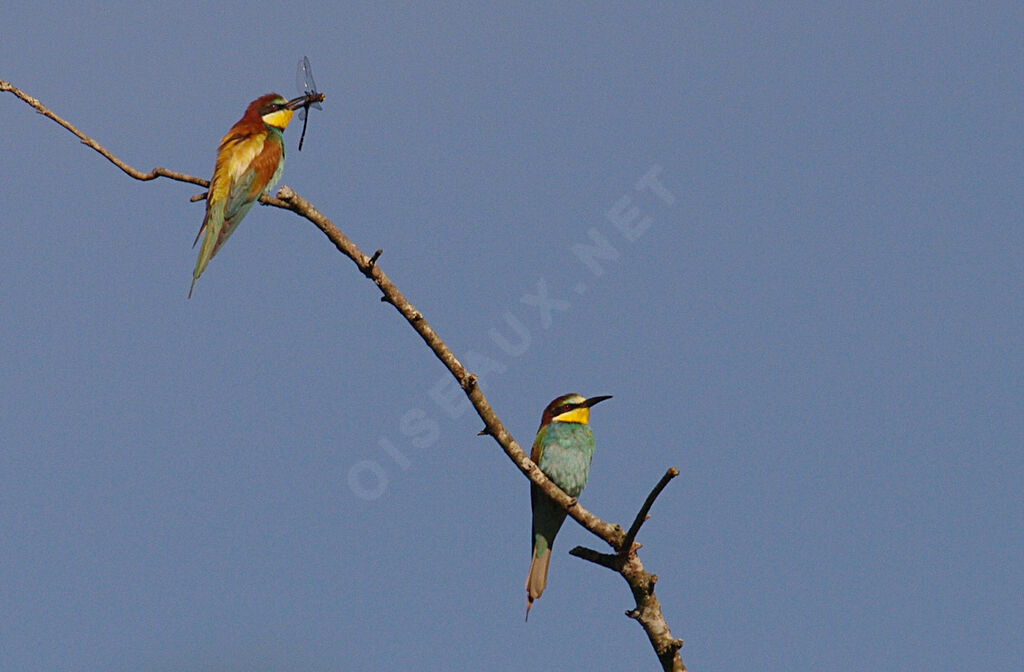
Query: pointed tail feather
<point>198,271</point>
<point>537,579</point>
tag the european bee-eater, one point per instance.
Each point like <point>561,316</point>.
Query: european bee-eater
<point>563,449</point>
<point>250,160</point>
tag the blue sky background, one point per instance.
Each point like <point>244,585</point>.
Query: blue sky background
<point>819,322</point>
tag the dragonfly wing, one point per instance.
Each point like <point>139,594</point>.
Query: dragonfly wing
<point>306,84</point>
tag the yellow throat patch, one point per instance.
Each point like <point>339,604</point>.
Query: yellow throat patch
<point>278,119</point>
<point>577,415</point>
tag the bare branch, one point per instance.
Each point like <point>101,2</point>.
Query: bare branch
<point>641,516</point>
<point>648,614</point>
<point>129,170</point>
<point>369,266</point>
<point>625,561</point>
<point>641,583</point>
<point>615,561</point>
<point>86,140</point>
<point>608,560</point>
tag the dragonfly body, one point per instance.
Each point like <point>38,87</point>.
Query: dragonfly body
<point>313,98</point>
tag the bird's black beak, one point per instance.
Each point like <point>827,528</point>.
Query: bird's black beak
<point>303,101</point>
<point>595,400</point>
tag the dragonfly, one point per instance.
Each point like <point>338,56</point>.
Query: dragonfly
<point>310,96</point>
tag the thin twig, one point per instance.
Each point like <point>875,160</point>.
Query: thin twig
<point>608,560</point>
<point>641,516</point>
<point>137,174</point>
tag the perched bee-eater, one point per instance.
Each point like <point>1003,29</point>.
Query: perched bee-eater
<point>563,449</point>
<point>250,160</point>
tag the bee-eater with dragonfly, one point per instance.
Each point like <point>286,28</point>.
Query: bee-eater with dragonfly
<point>563,449</point>
<point>250,160</point>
